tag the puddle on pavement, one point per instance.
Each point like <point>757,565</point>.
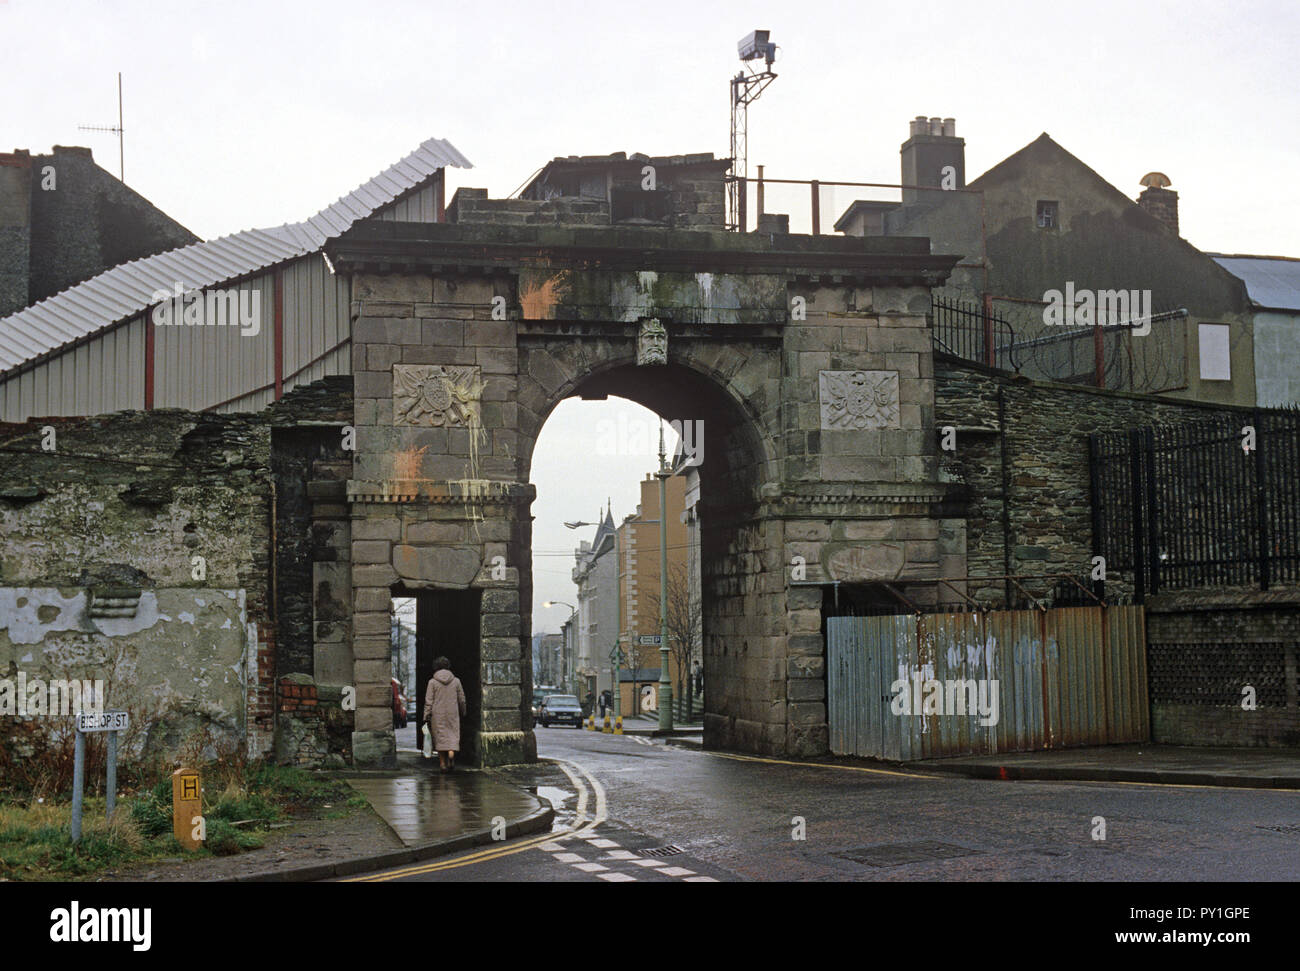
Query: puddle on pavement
<point>557,797</point>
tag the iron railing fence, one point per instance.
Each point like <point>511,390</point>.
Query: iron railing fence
<point>970,332</point>
<point>1206,504</point>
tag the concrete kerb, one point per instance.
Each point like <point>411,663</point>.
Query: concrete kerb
<point>1052,773</point>
<point>539,820</point>
<point>995,772</point>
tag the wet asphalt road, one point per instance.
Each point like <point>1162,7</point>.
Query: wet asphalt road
<point>646,811</point>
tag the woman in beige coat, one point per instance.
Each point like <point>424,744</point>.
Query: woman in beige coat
<point>444,707</point>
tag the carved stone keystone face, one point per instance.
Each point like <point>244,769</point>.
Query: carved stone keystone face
<point>435,395</point>
<point>859,399</point>
<point>651,343</point>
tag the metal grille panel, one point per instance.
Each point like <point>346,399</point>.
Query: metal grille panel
<point>1214,674</point>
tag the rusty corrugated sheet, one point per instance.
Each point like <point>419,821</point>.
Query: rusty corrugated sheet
<point>1065,677</point>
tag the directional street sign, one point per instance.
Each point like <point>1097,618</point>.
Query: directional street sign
<point>648,640</point>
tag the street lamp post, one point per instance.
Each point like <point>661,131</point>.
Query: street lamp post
<point>564,650</point>
<point>665,684</point>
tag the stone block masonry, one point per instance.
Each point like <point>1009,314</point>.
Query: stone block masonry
<point>817,449</point>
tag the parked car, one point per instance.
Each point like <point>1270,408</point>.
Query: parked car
<point>562,710</point>
<point>399,705</point>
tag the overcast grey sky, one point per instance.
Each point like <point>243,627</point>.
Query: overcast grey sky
<point>243,114</point>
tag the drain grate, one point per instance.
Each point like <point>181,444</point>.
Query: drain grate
<point>668,850</point>
<point>898,854</point>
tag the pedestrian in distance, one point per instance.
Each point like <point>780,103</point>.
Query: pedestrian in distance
<point>444,707</point>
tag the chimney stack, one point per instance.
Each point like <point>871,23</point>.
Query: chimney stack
<point>932,145</point>
<point>1159,200</point>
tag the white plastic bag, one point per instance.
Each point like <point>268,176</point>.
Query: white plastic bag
<point>428,742</point>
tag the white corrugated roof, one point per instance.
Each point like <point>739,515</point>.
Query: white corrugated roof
<point>1271,281</point>
<point>125,290</point>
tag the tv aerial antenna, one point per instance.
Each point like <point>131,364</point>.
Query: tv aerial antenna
<point>118,131</point>
<point>745,90</point>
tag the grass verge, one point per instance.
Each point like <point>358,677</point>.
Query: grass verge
<point>241,803</point>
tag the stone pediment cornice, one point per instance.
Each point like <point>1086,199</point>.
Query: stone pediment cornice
<point>475,249</point>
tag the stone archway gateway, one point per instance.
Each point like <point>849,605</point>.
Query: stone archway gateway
<point>807,359</point>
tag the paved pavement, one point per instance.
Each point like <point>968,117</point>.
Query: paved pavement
<point>423,807</point>
<point>432,814</point>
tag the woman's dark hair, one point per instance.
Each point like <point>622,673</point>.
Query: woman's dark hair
<point>441,664</point>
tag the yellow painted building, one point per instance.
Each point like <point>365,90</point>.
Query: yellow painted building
<point>639,586</point>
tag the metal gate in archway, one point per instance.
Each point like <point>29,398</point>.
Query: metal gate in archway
<point>909,686</point>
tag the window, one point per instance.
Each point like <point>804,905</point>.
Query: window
<point>639,205</point>
<point>1216,363</point>
<point>1047,214</point>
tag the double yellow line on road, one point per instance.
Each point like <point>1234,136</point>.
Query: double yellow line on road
<point>579,776</point>
<point>820,765</point>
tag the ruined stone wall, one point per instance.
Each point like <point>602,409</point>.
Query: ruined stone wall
<point>312,580</point>
<point>181,558</point>
<point>136,551</point>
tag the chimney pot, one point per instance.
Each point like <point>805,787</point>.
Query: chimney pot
<point>950,127</point>
<point>936,126</point>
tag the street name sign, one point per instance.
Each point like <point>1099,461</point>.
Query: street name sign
<point>103,721</point>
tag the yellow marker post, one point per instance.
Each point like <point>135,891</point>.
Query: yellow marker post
<point>606,730</point>
<point>618,725</point>
<point>187,807</point>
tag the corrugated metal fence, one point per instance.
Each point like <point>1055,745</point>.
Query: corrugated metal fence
<point>909,687</point>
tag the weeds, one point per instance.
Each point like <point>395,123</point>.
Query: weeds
<point>241,799</point>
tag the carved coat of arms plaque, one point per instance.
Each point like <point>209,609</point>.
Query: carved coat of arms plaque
<point>856,400</point>
<point>436,395</point>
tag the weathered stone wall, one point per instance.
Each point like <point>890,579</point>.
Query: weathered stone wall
<point>166,514</point>
<point>145,549</point>
<point>313,582</point>
<point>692,189</point>
<point>1049,501</point>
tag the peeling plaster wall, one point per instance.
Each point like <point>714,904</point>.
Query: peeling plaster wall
<point>118,507</point>
<point>183,660</point>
